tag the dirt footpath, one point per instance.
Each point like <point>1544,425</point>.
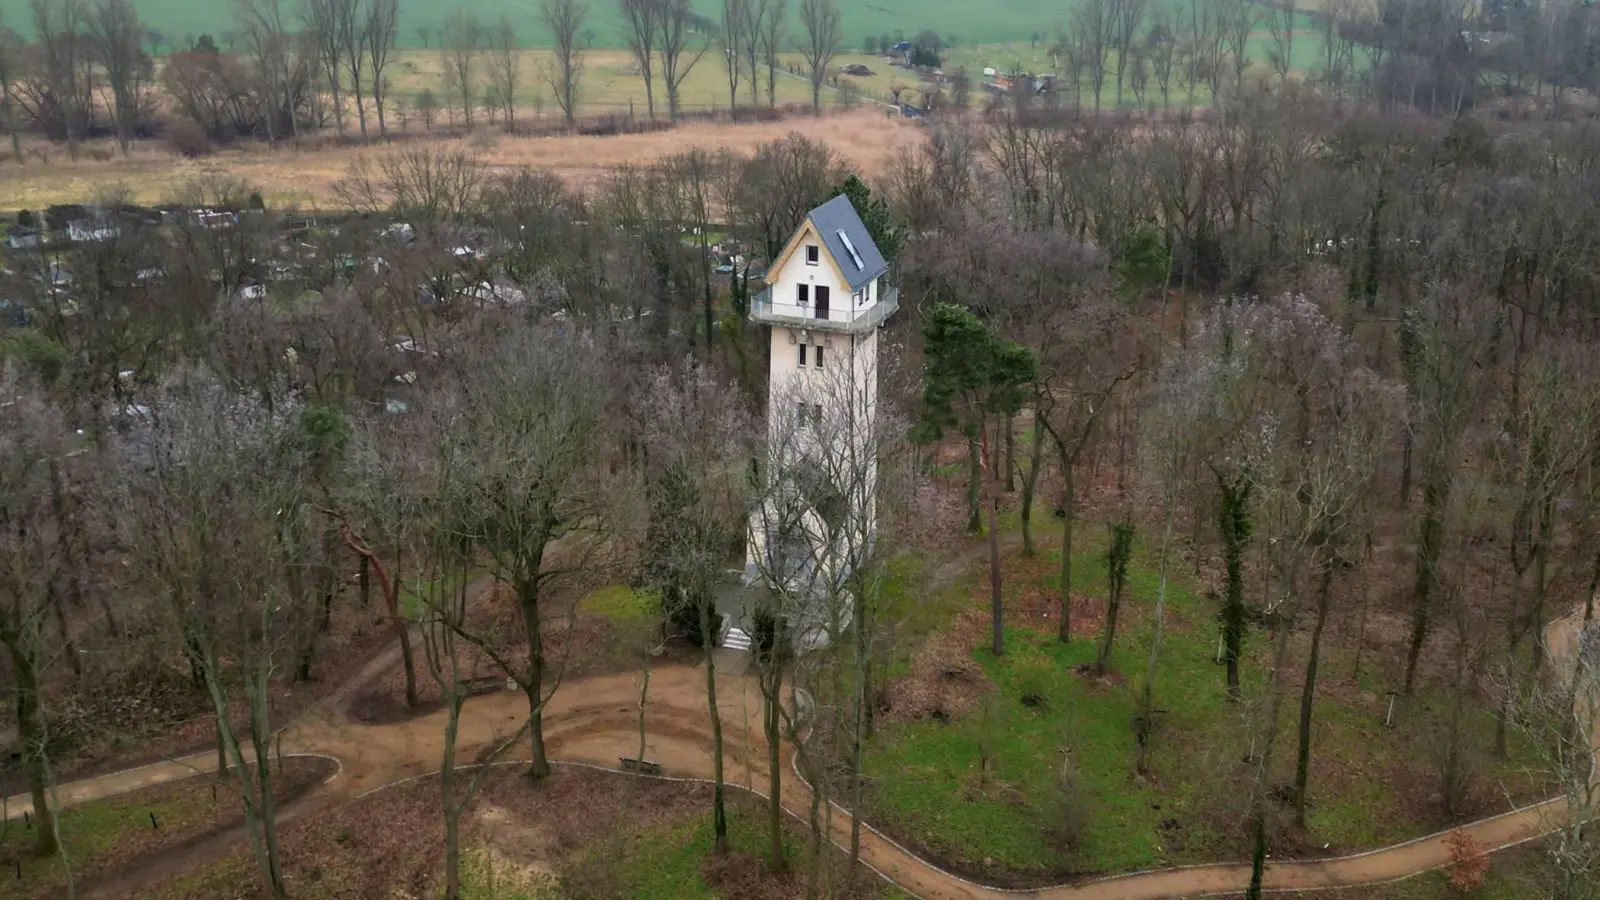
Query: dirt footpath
<point>596,721</point>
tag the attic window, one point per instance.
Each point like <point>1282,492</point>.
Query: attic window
<point>845,239</point>
<point>813,255</point>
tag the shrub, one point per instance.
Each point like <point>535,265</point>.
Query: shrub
<point>1065,813</point>
<point>987,729</point>
<point>186,138</point>
<point>25,218</point>
<point>1469,862</point>
<point>255,201</point>
<point>1033,675</point>
<point>37,352</point>
<point>764,633</point>
<point>684,618</point>
<point>1455,758</point>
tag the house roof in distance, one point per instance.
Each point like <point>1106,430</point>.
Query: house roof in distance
<point>847,240</point>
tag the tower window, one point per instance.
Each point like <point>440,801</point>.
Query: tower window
<point>813,255</point>
<point>802,356</point>
<point>818,355</point>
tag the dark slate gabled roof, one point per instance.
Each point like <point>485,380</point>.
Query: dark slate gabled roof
<point>836,221</point>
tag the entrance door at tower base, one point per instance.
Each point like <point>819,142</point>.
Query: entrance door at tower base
<point>812,621</point>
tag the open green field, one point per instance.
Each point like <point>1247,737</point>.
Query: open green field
<point>963,23</point>
<point>968,21</point>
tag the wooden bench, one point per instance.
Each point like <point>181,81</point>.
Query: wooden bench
<point>629,764</point>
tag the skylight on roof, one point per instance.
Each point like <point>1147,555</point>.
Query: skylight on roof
<point>852,248</point>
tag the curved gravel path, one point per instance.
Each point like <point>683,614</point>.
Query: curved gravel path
<point>594,721</point>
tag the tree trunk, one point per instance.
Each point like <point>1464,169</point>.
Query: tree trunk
<point>222,753</point>
<point>1258,816</point>
<point>452,853</point>
<point>1029,483</point>
<point>31,733</point>
<point>1011,453</point>
<point>974,483</point>
<point>338,102</point>
<point>11,126</point>
<point>1113,603</point>
<point>361,104</point>
<point>65,631</point>
<point>447,788</point>
<point>719,813</point>
<point>860,720</point>
<point>261,848</point>
<point>814,864</point>
<point>1258,850</point>
<point>644,695</point>
<point>1430,536</point>
<point>771,686</point>
<point>1069,505</point>
<point>377,100</point>
<point>1406,447</point>
<point>1541,577</point>
<point>996,600</point>
<point>1234,514</point>
<point>1147,695</point>
<point>407,660</point>
<point>260,739</point>
<point>528,599</point>
<point>1302,770</point>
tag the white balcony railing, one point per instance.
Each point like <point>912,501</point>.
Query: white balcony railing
<point>845,318</point>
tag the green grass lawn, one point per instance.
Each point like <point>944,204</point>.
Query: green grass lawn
<point>104,834</point>
<point>416,593</point>
<point>94,831</point>
<point>620,604</point>
<point>665,862</point>
<point>927,786</point>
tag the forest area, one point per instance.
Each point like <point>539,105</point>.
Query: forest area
<point>1190,432</point>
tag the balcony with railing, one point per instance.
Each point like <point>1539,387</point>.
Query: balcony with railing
<point>844,319</point>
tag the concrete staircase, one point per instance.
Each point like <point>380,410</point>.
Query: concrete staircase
<point>736,638</point>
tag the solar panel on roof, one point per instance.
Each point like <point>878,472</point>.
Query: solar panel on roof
<point>852,248</point>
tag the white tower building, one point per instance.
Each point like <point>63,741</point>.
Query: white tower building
<point>825,299</point>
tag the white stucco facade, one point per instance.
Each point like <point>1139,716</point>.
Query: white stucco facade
<point>822,413</point>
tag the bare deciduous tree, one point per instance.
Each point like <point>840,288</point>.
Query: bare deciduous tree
<point>699,440</point>
<point>678,47</point>
<point>462,38</point>
<point>212,493</point>
<point>383,30</point>
<point>31,563</point>
<point>10,52</point>
<point>351,26</point>
<point>428,188</point>
<point>565,19</point>
<point>533,410</point>
<point>737,35</point>
<point>505,68</point>
<point>264,30</point>
<point>321,19</point>
<point>118,38</point>
<point>1127,21</point>
<point>824,26</point>
<point>773,19</point>
<point>640,18</point>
